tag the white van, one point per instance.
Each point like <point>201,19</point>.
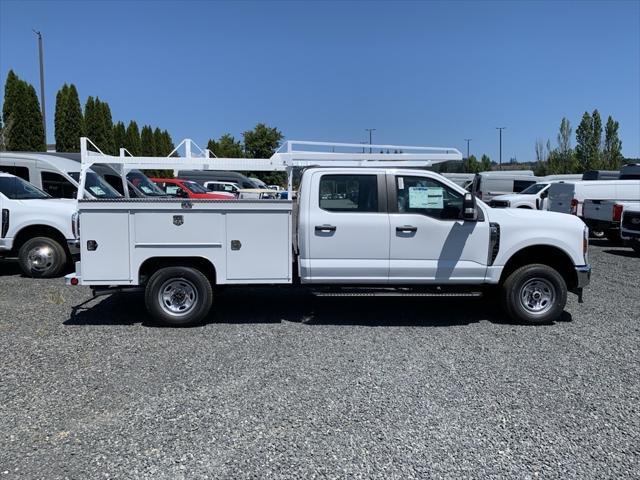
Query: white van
<point>569,197</point>
<point>56,174</point>
<point>487,185</point>
<point>462,179</point>
<point>533,197</point>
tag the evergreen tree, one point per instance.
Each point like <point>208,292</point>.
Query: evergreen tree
<point>168,142</point>
<point>119,136</point>
<point>596,140</point>
<point>584,142</point>
<point>226,147</point>
<point>107,128</point>
<point>262,141</point>
<point>612,154</point>
<point>22,117</point>
<point>485,163</point>
<point>147,144</point>
<point>159,143</point>
<point>69,124</point>
<point>132,139</point>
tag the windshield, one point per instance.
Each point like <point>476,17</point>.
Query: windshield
<point>533,189</point>
<point>96,185</point>
<point>17,189</point>
<point>195,187</point>
<point>144,184</point>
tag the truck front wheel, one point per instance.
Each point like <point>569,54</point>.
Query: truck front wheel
<point>534,294</point>
<point>178,296</point>
<point>42,257</point>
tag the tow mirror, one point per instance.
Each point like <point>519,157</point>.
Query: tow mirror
<point>469,207</point>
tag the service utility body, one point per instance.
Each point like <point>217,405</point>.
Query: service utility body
<point>363,223</point>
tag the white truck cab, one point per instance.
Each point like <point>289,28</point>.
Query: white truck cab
<point>36,228</point>
<point>365,222</point>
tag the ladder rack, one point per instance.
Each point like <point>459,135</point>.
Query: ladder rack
<point>292,154</point>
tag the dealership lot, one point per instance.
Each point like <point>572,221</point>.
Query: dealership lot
<point>287,385</point>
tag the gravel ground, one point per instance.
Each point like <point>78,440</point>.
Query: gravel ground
<point>282,385</point>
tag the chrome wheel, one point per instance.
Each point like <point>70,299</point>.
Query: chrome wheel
<point>41,258</point>
<point>537,296</point>
<point>177,296</point>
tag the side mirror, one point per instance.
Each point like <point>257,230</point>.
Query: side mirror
<point>469,207</point>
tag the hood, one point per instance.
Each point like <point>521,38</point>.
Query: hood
<point>534,217</point>
<point>511,197</point>
<point>49,204</point>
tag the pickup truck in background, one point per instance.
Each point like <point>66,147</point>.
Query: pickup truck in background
<point>369,229</point>
<point>630,225</point>
<point>605,216</point>
<point>36,228</point>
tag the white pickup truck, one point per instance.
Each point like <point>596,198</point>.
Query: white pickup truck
<point>36,228</point>
<point>379,229</point>
<point>630,225</point>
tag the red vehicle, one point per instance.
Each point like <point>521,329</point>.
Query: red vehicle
<point>176,187</point>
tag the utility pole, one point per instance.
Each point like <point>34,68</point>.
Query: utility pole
<point>500,130</point>
<point>41,55</point>
<point>468,140</point>
<point>369,130</point>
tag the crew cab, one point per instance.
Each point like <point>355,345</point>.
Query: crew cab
<point>176,187</point>
<point>36,228</point>
<point>372,228</point>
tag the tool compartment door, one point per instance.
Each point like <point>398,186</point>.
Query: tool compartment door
<point>258,246</point>
<point>104,245</point>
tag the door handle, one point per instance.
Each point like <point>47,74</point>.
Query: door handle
<point>407,229</point>
<point>325,228</point>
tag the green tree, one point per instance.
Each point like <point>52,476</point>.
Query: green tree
<point>22,117</point>
<point>167,142</point>
<point>119,136</point>
<point>596,140</point>
<point>69,123</point>
<point>262,141</point>
<point>612,154</point>
<point>107,126</point>
<point>226,147</point>
<point>147,143</point>
<point>132,139</point>
<point>99,125</point>
<point>584,142</point>
<point>485,163</point>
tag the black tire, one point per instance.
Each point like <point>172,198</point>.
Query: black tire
<point>178,296</point>
<point>597,233</point>
<point>636,246</point>
<point>42,257</point>
<point>534,287</point>
<point>613,236</point>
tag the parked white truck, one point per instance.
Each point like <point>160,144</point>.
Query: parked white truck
<point>36,228</point>
<point>363,222</point>
<point>630,225</point>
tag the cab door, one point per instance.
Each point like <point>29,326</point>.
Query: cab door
<point>429,241</point>
<point>348,230</point>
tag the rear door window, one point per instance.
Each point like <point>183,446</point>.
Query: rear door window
<point>349,193</point>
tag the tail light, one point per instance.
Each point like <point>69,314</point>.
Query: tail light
<point>574,206</point>
<point>617,212</point>
<point>5,222</point>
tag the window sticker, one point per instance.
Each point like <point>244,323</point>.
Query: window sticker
<point>418,197</point>
<point>97,190</point>
<point>400,183</point>
<point>426,197</point>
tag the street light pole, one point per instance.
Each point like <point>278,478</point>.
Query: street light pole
<point>369,130</point>
<point>468,140</point>
<point>41,55</point>
<point>500,130</point>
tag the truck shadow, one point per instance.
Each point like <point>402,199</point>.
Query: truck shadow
<point>9,267</point>
<point>259,306</point>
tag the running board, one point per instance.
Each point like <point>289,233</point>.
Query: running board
<point>378,293</point>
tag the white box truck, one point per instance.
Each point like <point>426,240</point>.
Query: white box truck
<point>369,223</point>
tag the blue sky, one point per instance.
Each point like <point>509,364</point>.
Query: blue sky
<point>421,73</point>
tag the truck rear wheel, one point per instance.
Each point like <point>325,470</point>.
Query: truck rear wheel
<point>534,294</point>
<point>178,296</point>
<point>42,257</point>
